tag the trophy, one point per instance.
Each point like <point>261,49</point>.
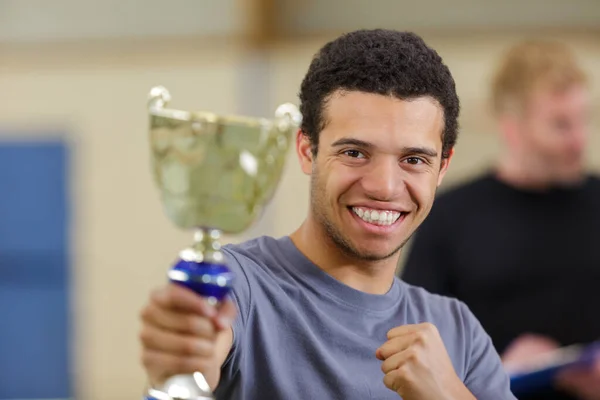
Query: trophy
<point>214,174</point>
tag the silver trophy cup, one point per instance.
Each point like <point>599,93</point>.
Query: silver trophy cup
<point>214,174</point>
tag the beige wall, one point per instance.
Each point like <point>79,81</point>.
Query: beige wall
<point>122,243</point>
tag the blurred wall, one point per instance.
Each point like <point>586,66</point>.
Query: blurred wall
<point>122,242</point>
<point>95,91</point>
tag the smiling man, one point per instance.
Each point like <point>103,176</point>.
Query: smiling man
<point>319,314</point>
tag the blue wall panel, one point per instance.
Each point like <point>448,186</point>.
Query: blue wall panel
<point>34,271</point>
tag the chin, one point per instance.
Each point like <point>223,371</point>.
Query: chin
<point>377,253</point>
<point>371,256</point>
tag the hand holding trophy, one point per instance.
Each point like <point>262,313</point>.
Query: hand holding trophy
<point>214,174</point>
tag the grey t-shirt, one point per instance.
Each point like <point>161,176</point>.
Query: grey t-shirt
<point>301,334</point>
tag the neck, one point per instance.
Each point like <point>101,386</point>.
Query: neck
<point>373,277</point>
<point>516,172</point>
<point>524,174</point>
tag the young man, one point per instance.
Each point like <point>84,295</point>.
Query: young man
<point>519,245</point>
<point>319,314</point>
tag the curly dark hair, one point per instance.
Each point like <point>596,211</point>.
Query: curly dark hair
<point>383,62</point>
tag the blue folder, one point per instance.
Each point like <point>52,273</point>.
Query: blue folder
<point>542,372</point>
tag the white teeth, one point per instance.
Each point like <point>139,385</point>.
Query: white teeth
<point>376,217</point>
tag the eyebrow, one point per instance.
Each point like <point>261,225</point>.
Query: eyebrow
<point>425,151</point>
<point>351,142</point>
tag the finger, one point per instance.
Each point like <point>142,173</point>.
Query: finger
<point>185,323</point>
<point>226,314</point>
<point>398,344</point>
<point>397,379</point>
<point>161,365</point>
<point>177,297</point>
<point>398,360</point>
<point>411,328</point>
<point>167,342</point>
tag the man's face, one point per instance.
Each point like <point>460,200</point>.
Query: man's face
<point>553,133</point>
<point>375,175</point>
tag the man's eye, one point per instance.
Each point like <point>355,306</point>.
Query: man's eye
<point>414,160</point>
<point>354,154</point>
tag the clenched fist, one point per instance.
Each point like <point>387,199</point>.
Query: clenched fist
<point>181,334</point>
<point>417,366</point>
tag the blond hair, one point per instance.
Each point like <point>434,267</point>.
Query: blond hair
<point>530,66</point>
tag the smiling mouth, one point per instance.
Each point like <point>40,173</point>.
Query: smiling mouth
<point>376,217</point>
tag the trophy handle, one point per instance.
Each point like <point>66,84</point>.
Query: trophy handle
<point>288,114</point>
<point>158,97</point>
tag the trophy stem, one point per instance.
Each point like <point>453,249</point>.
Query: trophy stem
<point>206,243</point>
<point>202,268</point>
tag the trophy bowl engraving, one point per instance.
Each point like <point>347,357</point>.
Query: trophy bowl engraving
<point>217,171</point>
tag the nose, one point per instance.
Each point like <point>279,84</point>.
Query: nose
<point>383,179</point>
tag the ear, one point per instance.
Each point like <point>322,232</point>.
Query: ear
<point>444,166</point>
<point>304,151</point>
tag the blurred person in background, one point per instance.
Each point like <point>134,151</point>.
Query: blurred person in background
<point>519,245</point>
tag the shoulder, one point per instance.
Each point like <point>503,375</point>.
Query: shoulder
<point>447,313</point>
<point>259,250</point>
<point>452,317</point>
<point>251,263</point>
<point>260,261</point>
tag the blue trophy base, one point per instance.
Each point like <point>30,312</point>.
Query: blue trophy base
<point>209,280</point>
